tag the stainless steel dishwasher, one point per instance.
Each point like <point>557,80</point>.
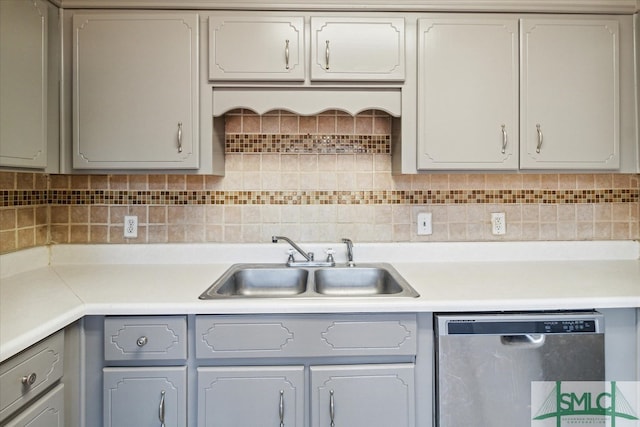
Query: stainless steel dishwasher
<point>486,362</point>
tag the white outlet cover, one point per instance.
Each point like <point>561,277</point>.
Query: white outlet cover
<point>131,226</point>
<point>425,227</point>
<point>498,224</point>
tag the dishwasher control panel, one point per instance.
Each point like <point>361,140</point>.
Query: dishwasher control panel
<point>514,324</point>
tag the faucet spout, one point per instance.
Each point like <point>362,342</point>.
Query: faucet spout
<point>306,256</point>
<point>349,244</point>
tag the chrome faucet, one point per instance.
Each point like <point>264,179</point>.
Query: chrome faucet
<point>349,244</point>
<point>308,256</point>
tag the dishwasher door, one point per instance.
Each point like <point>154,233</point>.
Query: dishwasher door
<point>486,362</point>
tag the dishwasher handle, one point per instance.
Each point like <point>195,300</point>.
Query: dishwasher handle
<point>524,340</point>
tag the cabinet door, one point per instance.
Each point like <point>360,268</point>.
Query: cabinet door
<point>363,396</point>
<point>23,83</point>
<point>256,48</point>
<point>135,91</point>
<point>468,93</point>
<point>570,94</point>
<point>357,49</point>
<point>145,397</point>
<point>48,411</point>
<point>251,396</point>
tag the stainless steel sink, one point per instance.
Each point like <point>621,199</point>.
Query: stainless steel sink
<point>356,281</point>
<point>257,281</point>
<point>280,281</point>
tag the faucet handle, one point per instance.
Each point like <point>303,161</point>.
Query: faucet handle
<point>330,253</point>
<point>290,258</point>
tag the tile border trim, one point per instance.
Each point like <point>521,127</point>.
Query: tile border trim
<point>19,198</point>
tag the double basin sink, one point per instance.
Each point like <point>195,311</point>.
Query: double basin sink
<point>280,281</point>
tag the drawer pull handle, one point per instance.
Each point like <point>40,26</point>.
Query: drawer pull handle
<point>281,408</point>
<point>286,54</point>
<point>327,54</point>
<point>161,408</point>
<point>505,139</point>
<point>29,380</point>
<point>142,341</point>
<point>540,138</point>
<point>332,409</point>
<point>179,137</point>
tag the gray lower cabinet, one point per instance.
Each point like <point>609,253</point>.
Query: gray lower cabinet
<point>145,397</point>
<point>142,387</point>
<point>363,395</point>
<point>342,370</point>
<point>251,396</point>
<point>31,392</point>
<point>46,412</point>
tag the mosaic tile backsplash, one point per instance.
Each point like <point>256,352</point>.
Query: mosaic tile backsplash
<point>317,179</point>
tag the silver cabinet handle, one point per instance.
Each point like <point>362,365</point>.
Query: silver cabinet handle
<point>286,53</point>
<point>29,380</point>
<point>179,137</point>
<point>161,408</point>
<point>142,341</point>
<point>327,53</point>
<point>332,409</point>
<point>281,408</point>
<point>505,139</point>
<point>540,138</point>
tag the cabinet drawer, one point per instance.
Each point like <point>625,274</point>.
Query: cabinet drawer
<point>305,336</point>
<point>45,412</point>
<point>28,374</point>
<point>145,338</point>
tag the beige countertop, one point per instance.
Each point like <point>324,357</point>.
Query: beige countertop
<point>45,289</point>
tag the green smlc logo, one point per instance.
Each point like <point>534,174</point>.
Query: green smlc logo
<point>587,407</point>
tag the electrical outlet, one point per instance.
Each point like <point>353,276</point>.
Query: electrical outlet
<point>498,223</point>
<point>131,226</point>
<point>424,224</point>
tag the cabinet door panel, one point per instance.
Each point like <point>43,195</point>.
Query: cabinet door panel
<point>357,48</point>
<point>135,91</point>
<point>305,335</point>
<point>48,411</point>
<point>363,395</point>
<point>251,396</point>
<point>468,93</point>
<point>570,94</point>
<point>133,397</point>
<point>23,83</point>
<point>256,48</point>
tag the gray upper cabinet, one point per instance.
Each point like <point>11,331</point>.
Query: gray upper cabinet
<point>506,92</point>
<point>570,89</point>
<point>23,83</point>
<point>468,93</point>
<point>135,90</point>
<point>357,48</point>
<point>250,47</point>
<point>256,48</point>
